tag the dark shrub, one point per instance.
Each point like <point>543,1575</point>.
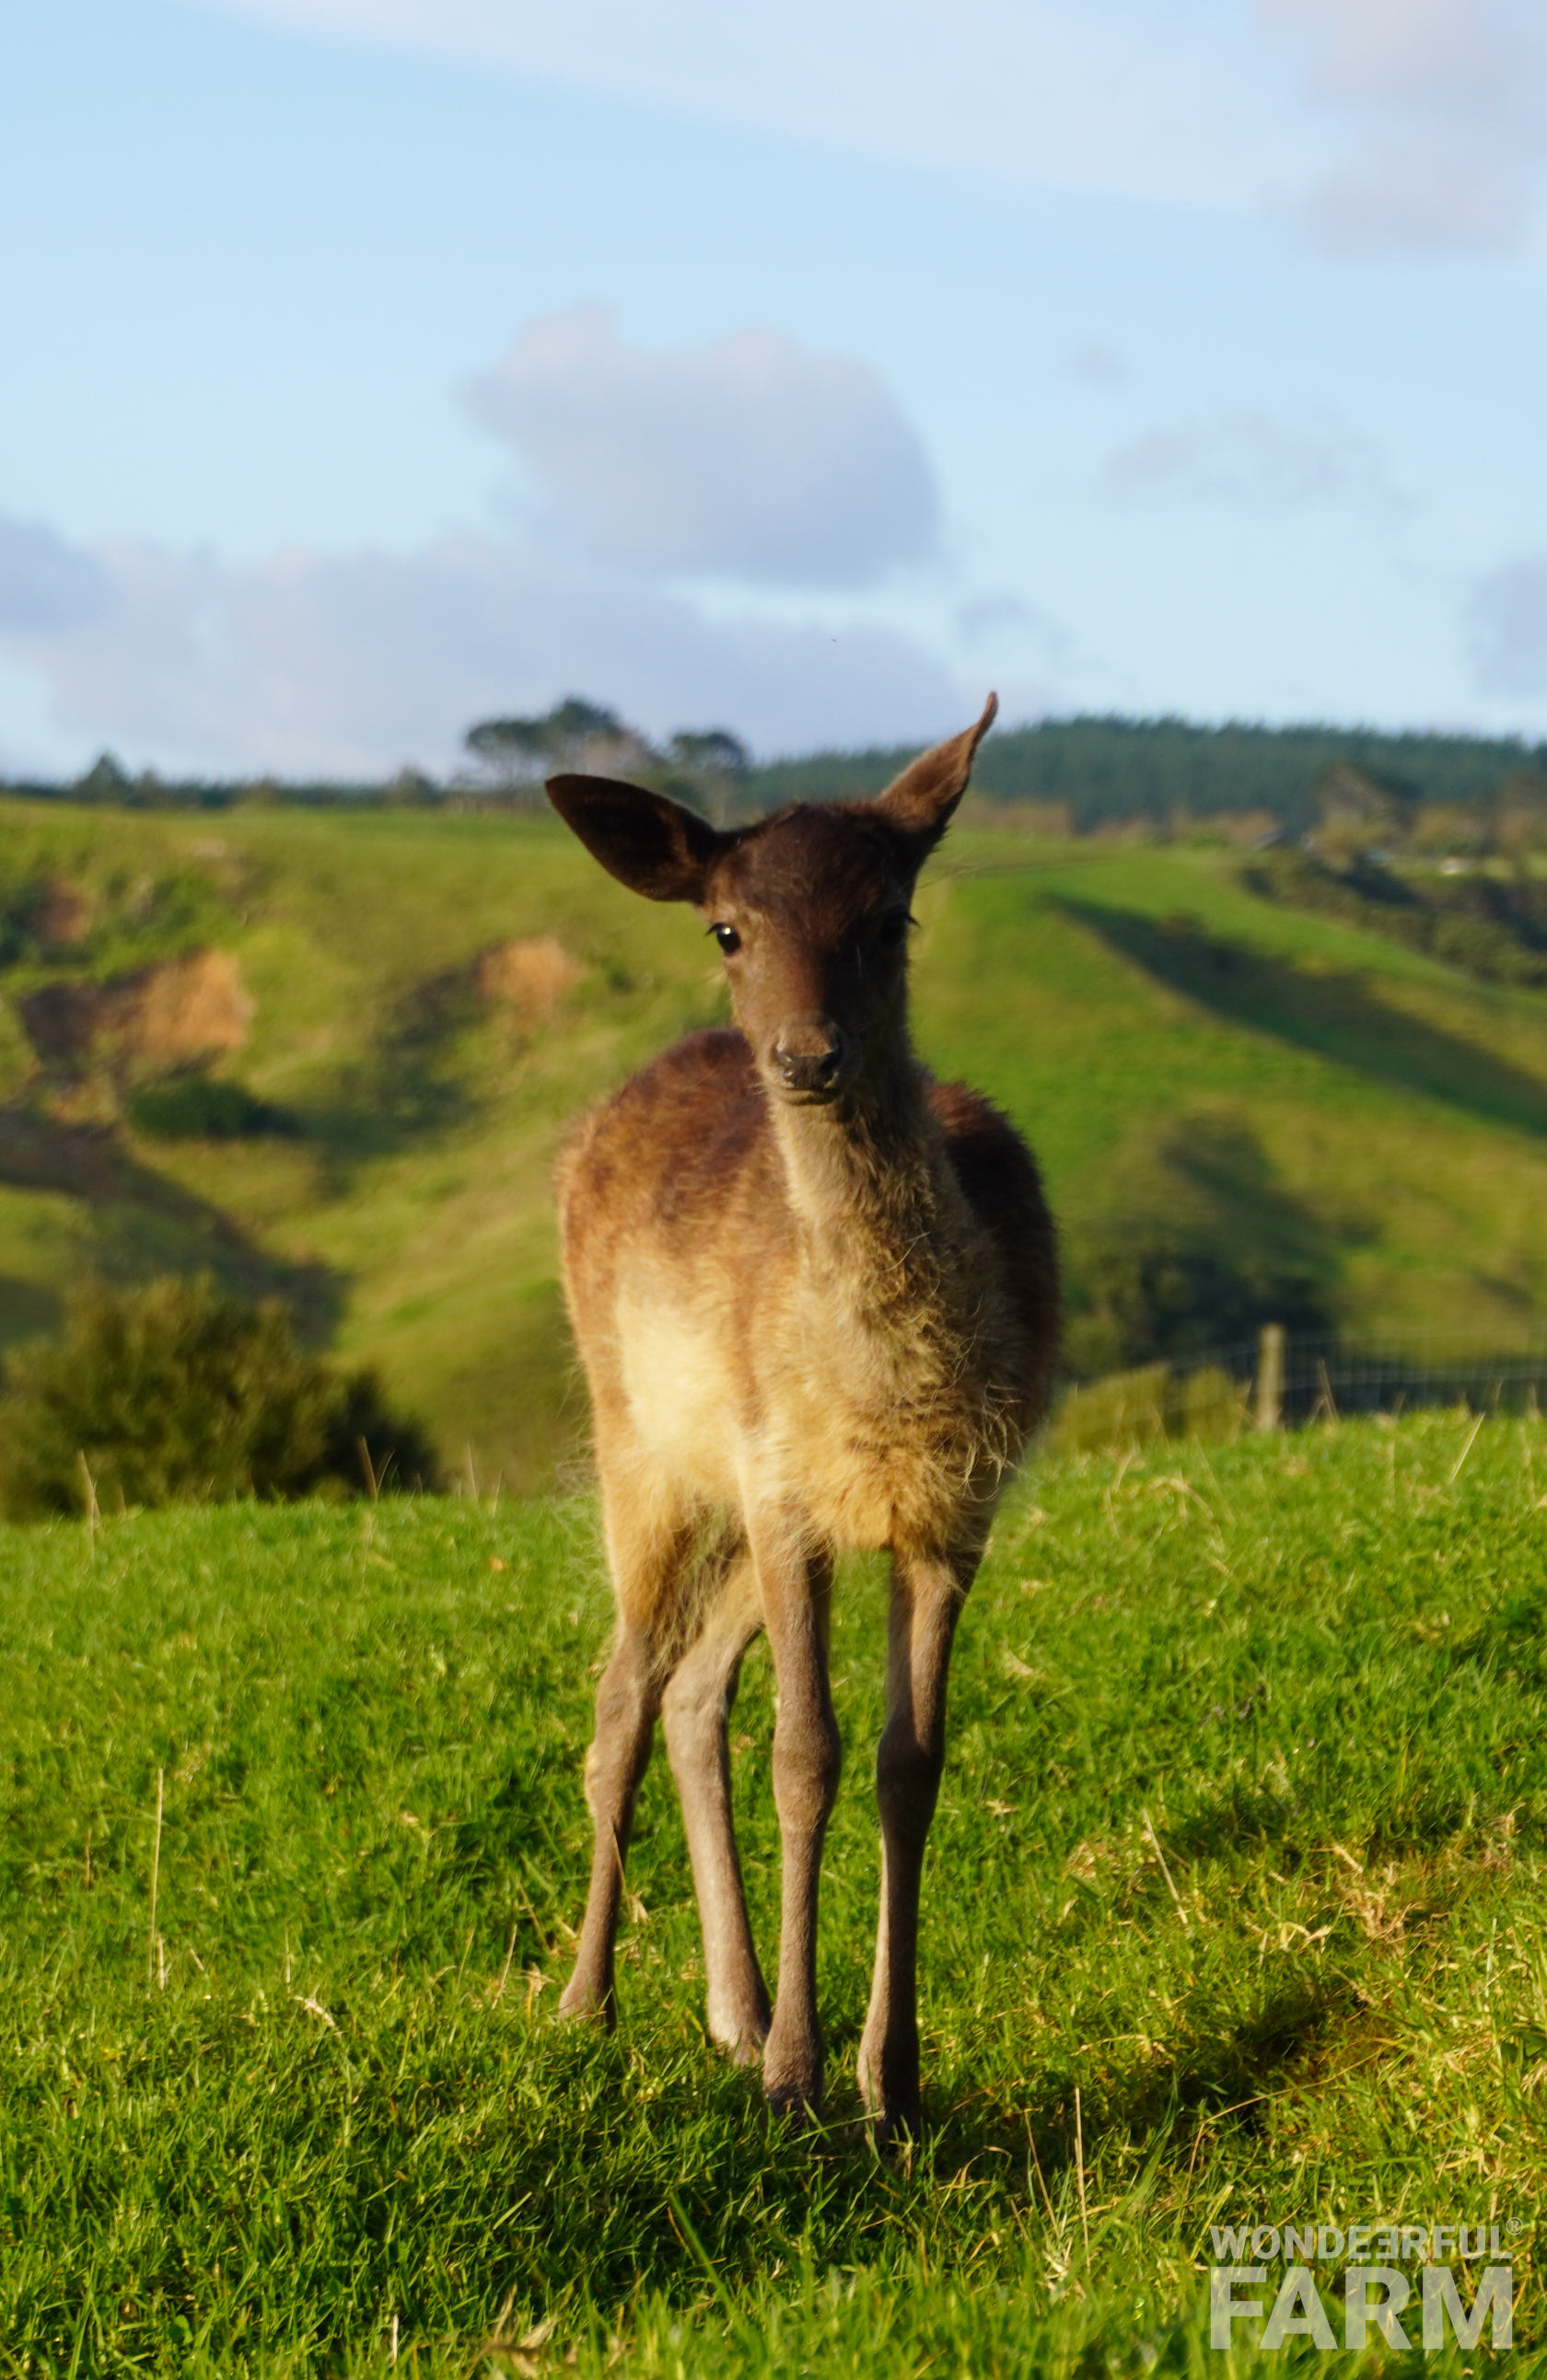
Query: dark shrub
<point>1147,1291</point>
<point>1200,1245</point>
<point>1491,927</point>
<point>177,1392</point>
<point>191,1107</point>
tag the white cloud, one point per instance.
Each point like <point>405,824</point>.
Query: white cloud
<point>983,617</point>
<point>1508,617</point>
<point>347,666</point>
<point>1113,95</point>
<point>746,460</point>
<point>44,582</point>
<point>1021,635</point>
<point>1247,458</point>
<point>1442,99</point>
<point>1446,102</point>
<point>747,457</point>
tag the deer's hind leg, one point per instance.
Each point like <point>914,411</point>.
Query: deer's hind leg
<point>650,1547</point>
<point>695,1712</point>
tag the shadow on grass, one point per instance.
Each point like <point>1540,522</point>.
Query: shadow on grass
<point>406,1089</point>
<point>1224,2074</point>
<point>144,1224</point>
<point>1429,1819</point>
<point>1508,1642</point>
<point>27,1311</point>
<point>1336,1014</point>
<point>1240,1816</point>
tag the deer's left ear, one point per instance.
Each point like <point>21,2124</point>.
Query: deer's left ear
<point>921,801</point>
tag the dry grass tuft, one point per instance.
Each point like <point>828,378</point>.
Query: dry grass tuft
<point>529,977</point>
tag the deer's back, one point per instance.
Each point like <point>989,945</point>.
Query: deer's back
<point>1003,1188</point>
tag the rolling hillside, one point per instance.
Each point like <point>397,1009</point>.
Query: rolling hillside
<point>406,1008</point>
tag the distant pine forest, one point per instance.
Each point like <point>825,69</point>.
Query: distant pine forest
<point>1065,775</point>
<point>1106,772</point>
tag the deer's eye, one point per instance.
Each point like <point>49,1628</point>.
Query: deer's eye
<point>727,938</point>
<point>892,931</point>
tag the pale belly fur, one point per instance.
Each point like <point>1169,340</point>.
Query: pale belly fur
<point>869,1450</point>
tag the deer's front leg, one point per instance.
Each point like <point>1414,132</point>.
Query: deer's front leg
<point>927,1595</point>
<point>795,1588</point>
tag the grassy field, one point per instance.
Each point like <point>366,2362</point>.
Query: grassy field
<point>1234,1914</point>
<point>1165,1039</point>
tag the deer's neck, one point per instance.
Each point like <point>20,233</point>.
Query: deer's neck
<point>877,1206</point>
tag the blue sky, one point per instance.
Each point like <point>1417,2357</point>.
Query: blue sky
<point>376,364</point>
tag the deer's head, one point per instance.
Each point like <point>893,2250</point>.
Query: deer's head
<point>809,907</point>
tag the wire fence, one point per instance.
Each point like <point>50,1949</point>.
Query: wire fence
<point>1386,1376</point>
<point>1283,1380</point>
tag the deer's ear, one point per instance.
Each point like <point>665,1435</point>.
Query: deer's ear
<point>921,801</point>
<point>650,844</point>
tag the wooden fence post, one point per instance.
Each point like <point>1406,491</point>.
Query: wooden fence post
<point>1269,1376</point>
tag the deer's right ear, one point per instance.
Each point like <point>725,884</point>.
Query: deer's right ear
<point>650,844</point>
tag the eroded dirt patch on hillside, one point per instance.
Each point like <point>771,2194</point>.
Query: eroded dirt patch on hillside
<point>166,1015</point>
<point>529,979</point>
<point>63,915</point>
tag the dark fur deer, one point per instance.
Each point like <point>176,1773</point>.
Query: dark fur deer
<point>815,1295</point>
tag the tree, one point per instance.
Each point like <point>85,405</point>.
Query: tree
<point>411,790</point>
<point>1147,1291</point>
<point>1198,1245</point>
<point>105,780</point>
<point>1519,809</point>
<point>515,751</point>
<point>576,734</point>
<point>712,763</point>
<point>576,726</point>
<point>708,752</point>
<point>178,1393</point>
<point>1359,811</point>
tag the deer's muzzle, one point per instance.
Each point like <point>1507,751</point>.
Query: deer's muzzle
<point>807,1062</point>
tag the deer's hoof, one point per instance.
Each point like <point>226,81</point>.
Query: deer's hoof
<point>892,2101</point>
<point>794,2103</point>
<point>581,1999</point>
<point>899,2124</point>
<point>792,2066</point>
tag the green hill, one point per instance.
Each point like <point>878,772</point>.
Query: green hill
<point>333,1053</point>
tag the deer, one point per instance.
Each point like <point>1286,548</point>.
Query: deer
<point>815,1295</point>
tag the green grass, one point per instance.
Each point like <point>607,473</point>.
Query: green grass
<point>1234,1912</point>
<point>1378,1116</point>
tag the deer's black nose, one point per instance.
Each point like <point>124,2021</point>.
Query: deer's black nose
<point>810,1060</point>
